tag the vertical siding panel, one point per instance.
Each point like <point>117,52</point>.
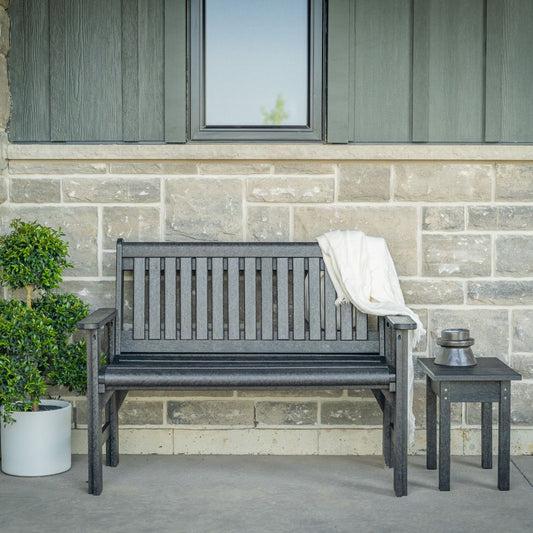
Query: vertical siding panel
<point>420,97</point>
<point>175,71</point>
<point>130,70</point>
<point>517,73</point>
<point>86,89</point>
<point>452,61</point>
<point>29,68</point>
<point>151,70</point>
<point>382,68</point>
<point>339,71</point>
<point>494,71</point>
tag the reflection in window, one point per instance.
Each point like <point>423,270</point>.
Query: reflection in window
<point>256,63</point>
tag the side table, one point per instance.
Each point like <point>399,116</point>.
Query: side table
<point>487,382</point>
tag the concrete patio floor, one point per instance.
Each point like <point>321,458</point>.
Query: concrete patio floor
<point>267,493</point>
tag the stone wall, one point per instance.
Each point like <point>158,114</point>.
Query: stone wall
<point>458,220</point>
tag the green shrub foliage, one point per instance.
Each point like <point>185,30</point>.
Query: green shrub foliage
<point>36,345</point>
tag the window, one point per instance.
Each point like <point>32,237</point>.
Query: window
<point>256,70</point>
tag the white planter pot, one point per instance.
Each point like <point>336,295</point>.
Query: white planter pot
<point>38,443</point>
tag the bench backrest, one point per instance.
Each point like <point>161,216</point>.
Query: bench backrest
<point>221,298</point>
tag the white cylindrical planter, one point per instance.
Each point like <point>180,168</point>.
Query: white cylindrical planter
<point>38,443</point>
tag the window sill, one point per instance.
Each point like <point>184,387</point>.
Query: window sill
<point>219,151</point>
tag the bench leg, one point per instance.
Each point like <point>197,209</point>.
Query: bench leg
<point>94,414</point>
<point>112,448</point>
<point>387,434</point>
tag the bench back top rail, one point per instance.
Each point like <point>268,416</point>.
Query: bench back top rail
<point>222,298</point>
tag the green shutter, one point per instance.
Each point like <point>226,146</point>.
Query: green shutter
<point>98,70</point>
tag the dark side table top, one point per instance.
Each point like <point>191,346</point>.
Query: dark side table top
<point>487,369</point>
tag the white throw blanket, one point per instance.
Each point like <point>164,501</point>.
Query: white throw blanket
<point>363,273</point>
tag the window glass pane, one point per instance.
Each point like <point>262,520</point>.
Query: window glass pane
<point>256,62</point>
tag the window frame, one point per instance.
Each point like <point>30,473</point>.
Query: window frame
<point>314,131</point>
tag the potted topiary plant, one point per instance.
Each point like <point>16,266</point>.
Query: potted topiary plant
<point>37,351</point>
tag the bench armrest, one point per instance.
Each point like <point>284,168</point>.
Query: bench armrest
<point>97,319</point>
<point>400,322</point>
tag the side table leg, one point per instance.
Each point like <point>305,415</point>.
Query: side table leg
<point>504,435</point>
<point>486,435</point>
<point>431,426</point>
<point>444,437</point>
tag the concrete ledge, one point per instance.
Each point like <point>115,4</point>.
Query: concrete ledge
<point>411,152</point>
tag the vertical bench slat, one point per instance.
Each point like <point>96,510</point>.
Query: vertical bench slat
<point>170,298</point>
<point>330,309</point>
<point>250,309</point>
<point>186,298</point>
<point>139,273</point>
<point>346,322</point>
<point>314,298</point>
<point>361,325</point>
<point>266,298</point>
<point>282,269</point>
<point>201,298</point>
<point>298,294</point>
<point>217,281</point>
<point>154,298</point>
<point>233,298</point>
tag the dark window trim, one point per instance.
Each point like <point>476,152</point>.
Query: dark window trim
<point>198,131</point>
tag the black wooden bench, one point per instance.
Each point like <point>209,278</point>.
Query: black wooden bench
<point>237,316</point>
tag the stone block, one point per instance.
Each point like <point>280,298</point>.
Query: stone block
<point>134,223</point>
<point>246,441</point>
<point>109,263</point>
<point>4,141</point>
<point>432,292</point>
<point>4,30</point>
<point>204,209</point>
<point>286,413</point>
<point>419,406</point>
<point>489,328</point>
<point>348,413</point>
<point>268,224</point>
<point>290,190</point>
<point>56,167</point>
<point>514,182</point>
<point>5,95</point>
<point>303,167</point>
<point>523,364</point>
<point>146,441</point>
<point>500,292</point>
<point>523,330</point>
<point>443,219</point>
<point>456,255</point>
<point>38,191</point>
<point>141,413</point>
<point>290,393</point>
<point>211,413</point>
<point>442,182</point>
<point>3,190</point>
<point>364,182</point>
<point>473,414</point>
<point>98,293</point>
<point>514,255</point>
<point>521,402</point>
<point>350,442</point>
<point>80,225</point>
<point>398,225</point>
<point>229,168</point>
<point>180,394</point>
<point>500,218</point>
<point>111,190</point>
<point>154,167</point>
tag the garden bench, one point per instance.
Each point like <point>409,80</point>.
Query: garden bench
<point>213,316</point>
